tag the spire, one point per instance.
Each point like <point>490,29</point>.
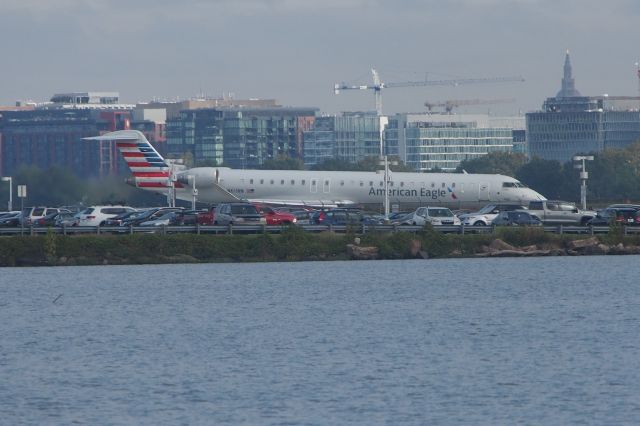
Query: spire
<point>568,89</point>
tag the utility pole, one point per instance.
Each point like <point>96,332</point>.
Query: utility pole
<point>9,179</point>
<point>194,191</point>
<point>384,161</point>
<point>584,175</point>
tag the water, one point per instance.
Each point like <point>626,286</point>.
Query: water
<point>471,341</point>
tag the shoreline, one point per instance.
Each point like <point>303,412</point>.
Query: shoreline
<point>297,245</point>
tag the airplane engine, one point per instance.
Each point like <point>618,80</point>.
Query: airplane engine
<point>204,176</point>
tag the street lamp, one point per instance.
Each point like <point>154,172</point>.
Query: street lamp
<point>384,161</point>
<point>580,164</point>
<point>194,192</point>
<point>8,179</point>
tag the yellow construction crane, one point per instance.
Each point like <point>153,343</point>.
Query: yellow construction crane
<point>450,104</point>
<point>378,85</point>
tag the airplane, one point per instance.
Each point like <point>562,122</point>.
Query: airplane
<point>310,188</point>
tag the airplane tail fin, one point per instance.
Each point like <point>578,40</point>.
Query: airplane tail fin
<point>148,167</point>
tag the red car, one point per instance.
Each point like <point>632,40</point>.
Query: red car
<point>207,217</point>
<point>275,218</point>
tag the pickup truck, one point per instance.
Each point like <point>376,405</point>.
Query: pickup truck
<point>554,212</point>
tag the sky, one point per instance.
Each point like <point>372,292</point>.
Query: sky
<point>294,51</point>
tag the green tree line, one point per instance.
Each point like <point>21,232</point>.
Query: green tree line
<point>59,186</point>
<point>614,174</point>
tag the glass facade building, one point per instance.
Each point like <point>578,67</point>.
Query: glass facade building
<point>570,126</point>
<point>237,137</point>
<point>350,136</point>
<point>441,141</point>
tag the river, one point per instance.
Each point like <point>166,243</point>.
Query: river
<point>551,340</point>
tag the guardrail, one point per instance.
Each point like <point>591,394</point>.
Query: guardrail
<point>246,229</point>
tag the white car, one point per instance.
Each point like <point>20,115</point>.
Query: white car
<point>432,215</point>
<point>95,215</point>
<point>485,215</point>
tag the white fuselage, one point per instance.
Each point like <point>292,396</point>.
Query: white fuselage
<point>331,188</point>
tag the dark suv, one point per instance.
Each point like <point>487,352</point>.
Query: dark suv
<point>238,214</point>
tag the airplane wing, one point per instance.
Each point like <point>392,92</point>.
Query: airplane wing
<point>303,203</point>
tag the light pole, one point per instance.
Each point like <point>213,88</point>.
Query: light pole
<point>194,191</point>
<point>384,161</point>
<point>8,179</point>
<point>580,164</point>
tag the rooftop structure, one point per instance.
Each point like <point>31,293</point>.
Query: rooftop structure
<point>568,89</point>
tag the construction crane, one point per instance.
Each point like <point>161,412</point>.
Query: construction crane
<point>450,104</point>
<point>378,85</point>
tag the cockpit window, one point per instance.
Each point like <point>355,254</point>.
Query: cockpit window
<point>513,185</point>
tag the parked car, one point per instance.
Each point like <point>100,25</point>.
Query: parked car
<point>274,217</point>
<point>146,215</point>
<point>66,219</point>
<point>556,212</point>
<point>95,215</point>
<point>163,219</point>
<point>185,217</point>
<point>118,219</point>
<point>206,217</point>
<point>516,218</point>
<point>53,218</point>
<point>11,219</point>
<point>431,215</point>
<point>238,214</point>
<point>303,217</point>
<point>487,214</point>
<point>341,216</point>
<point>623,216</point>
<point>31,214</point>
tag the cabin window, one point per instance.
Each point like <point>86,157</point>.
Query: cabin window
<point>401,184</point>
<point>361,183</point>
<point>313,182</point>
<point>370,183</point>
<point>341,183</point>
<point>453,185</point>
<point>443,184</point>
<point>282,182</point>
<point>251,181</point>
<point>293,182</point>
<point>391,183</point>
<point>326,183</point>
<point>303,182</point>
<point>381,183</point>
<point>261,181</point>
<point>433,185</point>
<point>271,181</point>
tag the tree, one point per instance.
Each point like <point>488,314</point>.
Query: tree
<point>542,176</point>
<point>504,163</point>
<point>339,164</point>
<point>283,162</point>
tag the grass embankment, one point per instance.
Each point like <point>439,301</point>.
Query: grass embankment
<point>291,245</point>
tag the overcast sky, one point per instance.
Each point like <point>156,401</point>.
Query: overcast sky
<point>295,50</point>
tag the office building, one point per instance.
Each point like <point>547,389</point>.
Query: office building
<point>571,124</point>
